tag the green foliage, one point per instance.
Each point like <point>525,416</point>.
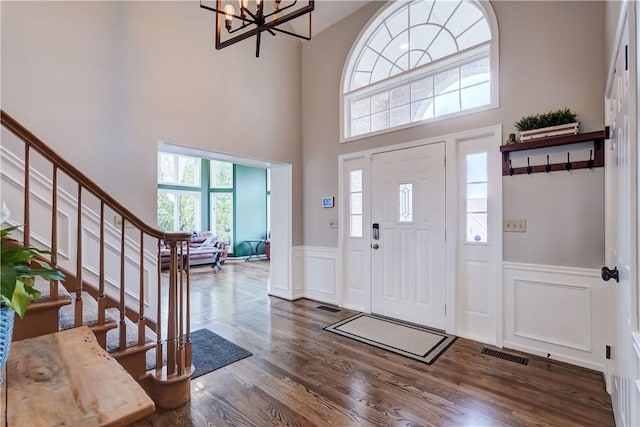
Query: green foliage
<point>166,202</point>
<point>222,174</point>
<point>18,273</point>
<point>223,217</point>
<point>187,212</point>
<point>552,118</point>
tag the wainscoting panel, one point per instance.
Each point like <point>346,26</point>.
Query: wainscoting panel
<point>476,310</point>
<point>319,268</point>
<point>566,305</point>
<point>558,312</point>
<point>356,289</point>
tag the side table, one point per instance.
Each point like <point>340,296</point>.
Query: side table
<point>254,246</point>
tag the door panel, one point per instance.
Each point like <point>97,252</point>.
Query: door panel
<point>408,203</point>
<point>621,234</point>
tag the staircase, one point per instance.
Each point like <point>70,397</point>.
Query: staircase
<point>116,296</point>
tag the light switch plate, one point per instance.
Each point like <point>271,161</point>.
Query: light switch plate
<point>515,225</point>
<point>333,223</point>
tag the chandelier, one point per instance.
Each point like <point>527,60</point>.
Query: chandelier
<point>255,17</point>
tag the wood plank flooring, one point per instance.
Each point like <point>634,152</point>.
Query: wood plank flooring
<point>300,375</point>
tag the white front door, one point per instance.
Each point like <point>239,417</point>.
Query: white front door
<point>621,232</point>
<point>408,257</point>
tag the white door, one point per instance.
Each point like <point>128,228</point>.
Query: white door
<point>621,232</point>
<point>408,258</point>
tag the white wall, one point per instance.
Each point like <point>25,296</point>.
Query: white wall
<point>549,59</point>
<point>102,82</point>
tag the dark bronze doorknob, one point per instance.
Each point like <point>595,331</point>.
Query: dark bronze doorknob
<point>607,274</point>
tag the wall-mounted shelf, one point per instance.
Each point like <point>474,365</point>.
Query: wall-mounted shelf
<point>597,161</point>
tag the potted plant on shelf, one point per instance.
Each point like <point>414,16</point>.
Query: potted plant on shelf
<point>17,279</point>
<point>552,123</point>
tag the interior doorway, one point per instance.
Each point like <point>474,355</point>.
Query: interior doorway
<point>274,223</point>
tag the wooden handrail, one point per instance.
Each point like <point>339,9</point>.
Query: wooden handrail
<point>178,341</point>
<point>34,142</point>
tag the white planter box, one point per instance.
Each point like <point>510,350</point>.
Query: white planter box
<point>568,129</point>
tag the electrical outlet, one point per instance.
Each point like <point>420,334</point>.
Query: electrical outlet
<point>515,225</point>
<point>333,223</point>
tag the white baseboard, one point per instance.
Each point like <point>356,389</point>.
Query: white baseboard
<point>559,357</point>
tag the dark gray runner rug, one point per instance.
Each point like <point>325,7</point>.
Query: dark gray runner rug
<point>211,352</point>
<point>410,340</point>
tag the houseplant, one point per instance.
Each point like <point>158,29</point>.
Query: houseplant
<point>17,278</point>
<point>552,123</point>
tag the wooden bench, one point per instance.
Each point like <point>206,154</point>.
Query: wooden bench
<point>66,378</point>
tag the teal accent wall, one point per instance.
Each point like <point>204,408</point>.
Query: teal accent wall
<point>250,208</point>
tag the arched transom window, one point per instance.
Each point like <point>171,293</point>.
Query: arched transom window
<point>420,60</point>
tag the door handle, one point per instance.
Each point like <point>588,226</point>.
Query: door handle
<point>607,274</point>
<point>375,246</point>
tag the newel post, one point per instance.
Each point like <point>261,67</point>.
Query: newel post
<point>175,310</point>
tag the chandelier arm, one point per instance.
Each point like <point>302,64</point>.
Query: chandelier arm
<point>258,36</point>
<point>242,27</point>
<point>251,14</point>
<point>292,34</point>
<point>293,15</point>
<point>275,12</point>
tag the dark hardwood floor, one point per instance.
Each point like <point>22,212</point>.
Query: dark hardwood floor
<point>301,375</point>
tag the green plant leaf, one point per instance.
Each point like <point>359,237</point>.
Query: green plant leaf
<point>8,281</point>
<point>18,274</point>
<point>5,231</point>
<point>33,292</point>
<point>20,300</point>
<point>551,118</point>
<point>15,255</point>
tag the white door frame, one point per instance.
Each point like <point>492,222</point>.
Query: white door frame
<point>281,271</point>
<point>451,206</point>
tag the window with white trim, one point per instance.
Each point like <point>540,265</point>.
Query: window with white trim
<point>178,210</point>
<point>476,198</point>
<point>355,203</point>
<point>419,61</point>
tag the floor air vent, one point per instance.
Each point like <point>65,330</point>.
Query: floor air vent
<point>331,309</point>
<point>506,356</point>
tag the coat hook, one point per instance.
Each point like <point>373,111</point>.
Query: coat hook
<point>568,166</point>
<point>590,162</point>
<point>511,171</point>
<point>547,167</point>
<point>529,168</point>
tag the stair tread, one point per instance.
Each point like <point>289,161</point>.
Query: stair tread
<point>89,313</point>
<point>113,336</point>
<point>44,288</point>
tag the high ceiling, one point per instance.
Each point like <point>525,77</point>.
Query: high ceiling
<point>327,13</point>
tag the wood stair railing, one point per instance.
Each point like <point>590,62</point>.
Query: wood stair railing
<point>168,382</point>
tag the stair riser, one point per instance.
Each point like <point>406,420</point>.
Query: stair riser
<point>35,324</point>
<point>134,363</point>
